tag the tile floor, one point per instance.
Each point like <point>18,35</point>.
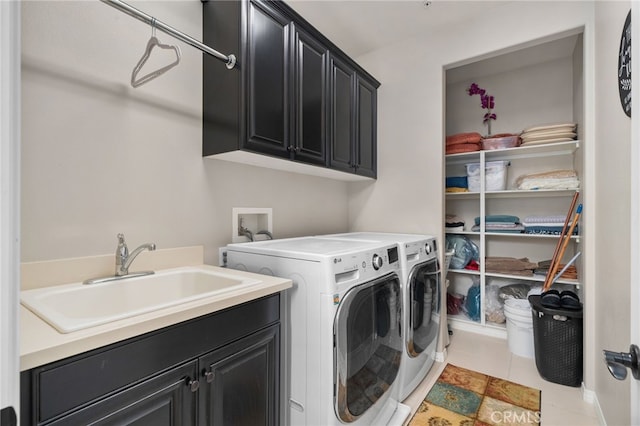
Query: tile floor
<point>561,405</point>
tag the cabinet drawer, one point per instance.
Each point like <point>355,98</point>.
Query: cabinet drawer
<point>58,388</point>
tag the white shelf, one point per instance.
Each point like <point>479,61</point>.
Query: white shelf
<point>464,272</point>
<point>533,151</point>
<point>514,193</point>
<point>462,116</point>
<point>530,193</point>
<point>462,322</point>
<point>515,235</point>
<point>534,278</point>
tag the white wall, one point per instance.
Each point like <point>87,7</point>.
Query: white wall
<point>613,137</point>
<point>411,120</point>
<point>100,157</point>
<point>408,194</point>
<point>518,106</point>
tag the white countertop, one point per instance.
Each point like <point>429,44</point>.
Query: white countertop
<point>40,343</point>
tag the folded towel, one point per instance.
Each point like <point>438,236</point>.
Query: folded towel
<point>547,230</point>
<point>456,189</point>
<point>556,179</point>
<point>544,219</point>
<point>463,147</point>
<point>510,265</point>
<point>513,228</point>
<point>453,220</point>
<point>456,182</point>
<point>461,138</point>
<point>498,218</point>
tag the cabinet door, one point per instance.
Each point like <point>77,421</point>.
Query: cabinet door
<point>240,382</point>
<point>268,80</point>
<point>342,116</point>
<point>311,89</point>
<point>167,399</point>
<point>366,128</point>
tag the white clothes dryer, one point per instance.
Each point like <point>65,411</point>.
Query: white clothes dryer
<point>343,333</point>
<point>421,294</point>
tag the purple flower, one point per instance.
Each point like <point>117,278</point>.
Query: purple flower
<point>486,101</point>
<point>473,89</point>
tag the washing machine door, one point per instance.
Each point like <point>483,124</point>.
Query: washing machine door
<point>368,345</point>
<point>424,307</point>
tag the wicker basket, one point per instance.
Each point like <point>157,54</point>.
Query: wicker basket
<point>557,336</point>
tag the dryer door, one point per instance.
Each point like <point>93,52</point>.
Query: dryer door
<point>424,307</point>
<point>368,345</point>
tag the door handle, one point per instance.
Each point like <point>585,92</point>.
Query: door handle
<point>618,362</point>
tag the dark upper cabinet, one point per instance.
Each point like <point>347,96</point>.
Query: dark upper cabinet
<point>365,139</point>
<point>268,91</point>
<point>310,106</point>
<point>342,116</point>
<point>279,100</point>
<point>353,121</point>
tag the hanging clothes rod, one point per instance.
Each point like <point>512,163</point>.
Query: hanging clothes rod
<point>135,13</point>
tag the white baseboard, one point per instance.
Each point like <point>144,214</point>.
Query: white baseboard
<point>590,397</point>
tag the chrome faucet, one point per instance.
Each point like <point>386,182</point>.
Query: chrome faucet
<point>124,259</point>
<point>123,262</point>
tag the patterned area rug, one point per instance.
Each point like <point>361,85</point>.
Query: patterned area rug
<point>468,398</point>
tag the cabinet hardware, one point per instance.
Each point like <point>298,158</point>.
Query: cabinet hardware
<point>193,384</point>
<point>209,376</point>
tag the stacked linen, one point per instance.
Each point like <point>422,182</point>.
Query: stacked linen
<point>570,273</point>
<point>549,133</point>
<point>555,179</point>
<point>457,184</point>
<point>510,266</point>
<point>463,142</point>
<point>500,223</point>
<point>453,223</point>
<point>545,225</point>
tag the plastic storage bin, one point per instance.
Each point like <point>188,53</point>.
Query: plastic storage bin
<point>557,335</point>
<point>501,142</point>
<point>495,174</point>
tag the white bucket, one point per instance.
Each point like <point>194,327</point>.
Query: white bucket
<point>519,327</point>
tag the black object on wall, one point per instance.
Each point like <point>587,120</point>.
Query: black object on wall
<point>624,66</point>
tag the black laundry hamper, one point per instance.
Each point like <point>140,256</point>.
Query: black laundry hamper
<point>557,338</point>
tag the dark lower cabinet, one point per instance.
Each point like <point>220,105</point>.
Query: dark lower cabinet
<point>165,400</point>
<point>221,369</point>
<point>241,385</point>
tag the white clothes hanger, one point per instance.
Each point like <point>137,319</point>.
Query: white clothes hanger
<point>153,42</point>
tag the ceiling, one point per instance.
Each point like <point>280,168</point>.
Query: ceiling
<point>361,26</point>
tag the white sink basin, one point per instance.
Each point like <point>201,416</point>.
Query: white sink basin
<point>77,306</point>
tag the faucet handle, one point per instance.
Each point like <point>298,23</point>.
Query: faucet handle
<point>122,251</point>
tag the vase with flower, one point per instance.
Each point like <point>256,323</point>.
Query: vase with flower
<point>486,102</point>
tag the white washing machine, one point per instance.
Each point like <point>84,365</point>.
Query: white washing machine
<point>342,330</point>
<point>421,292</point>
